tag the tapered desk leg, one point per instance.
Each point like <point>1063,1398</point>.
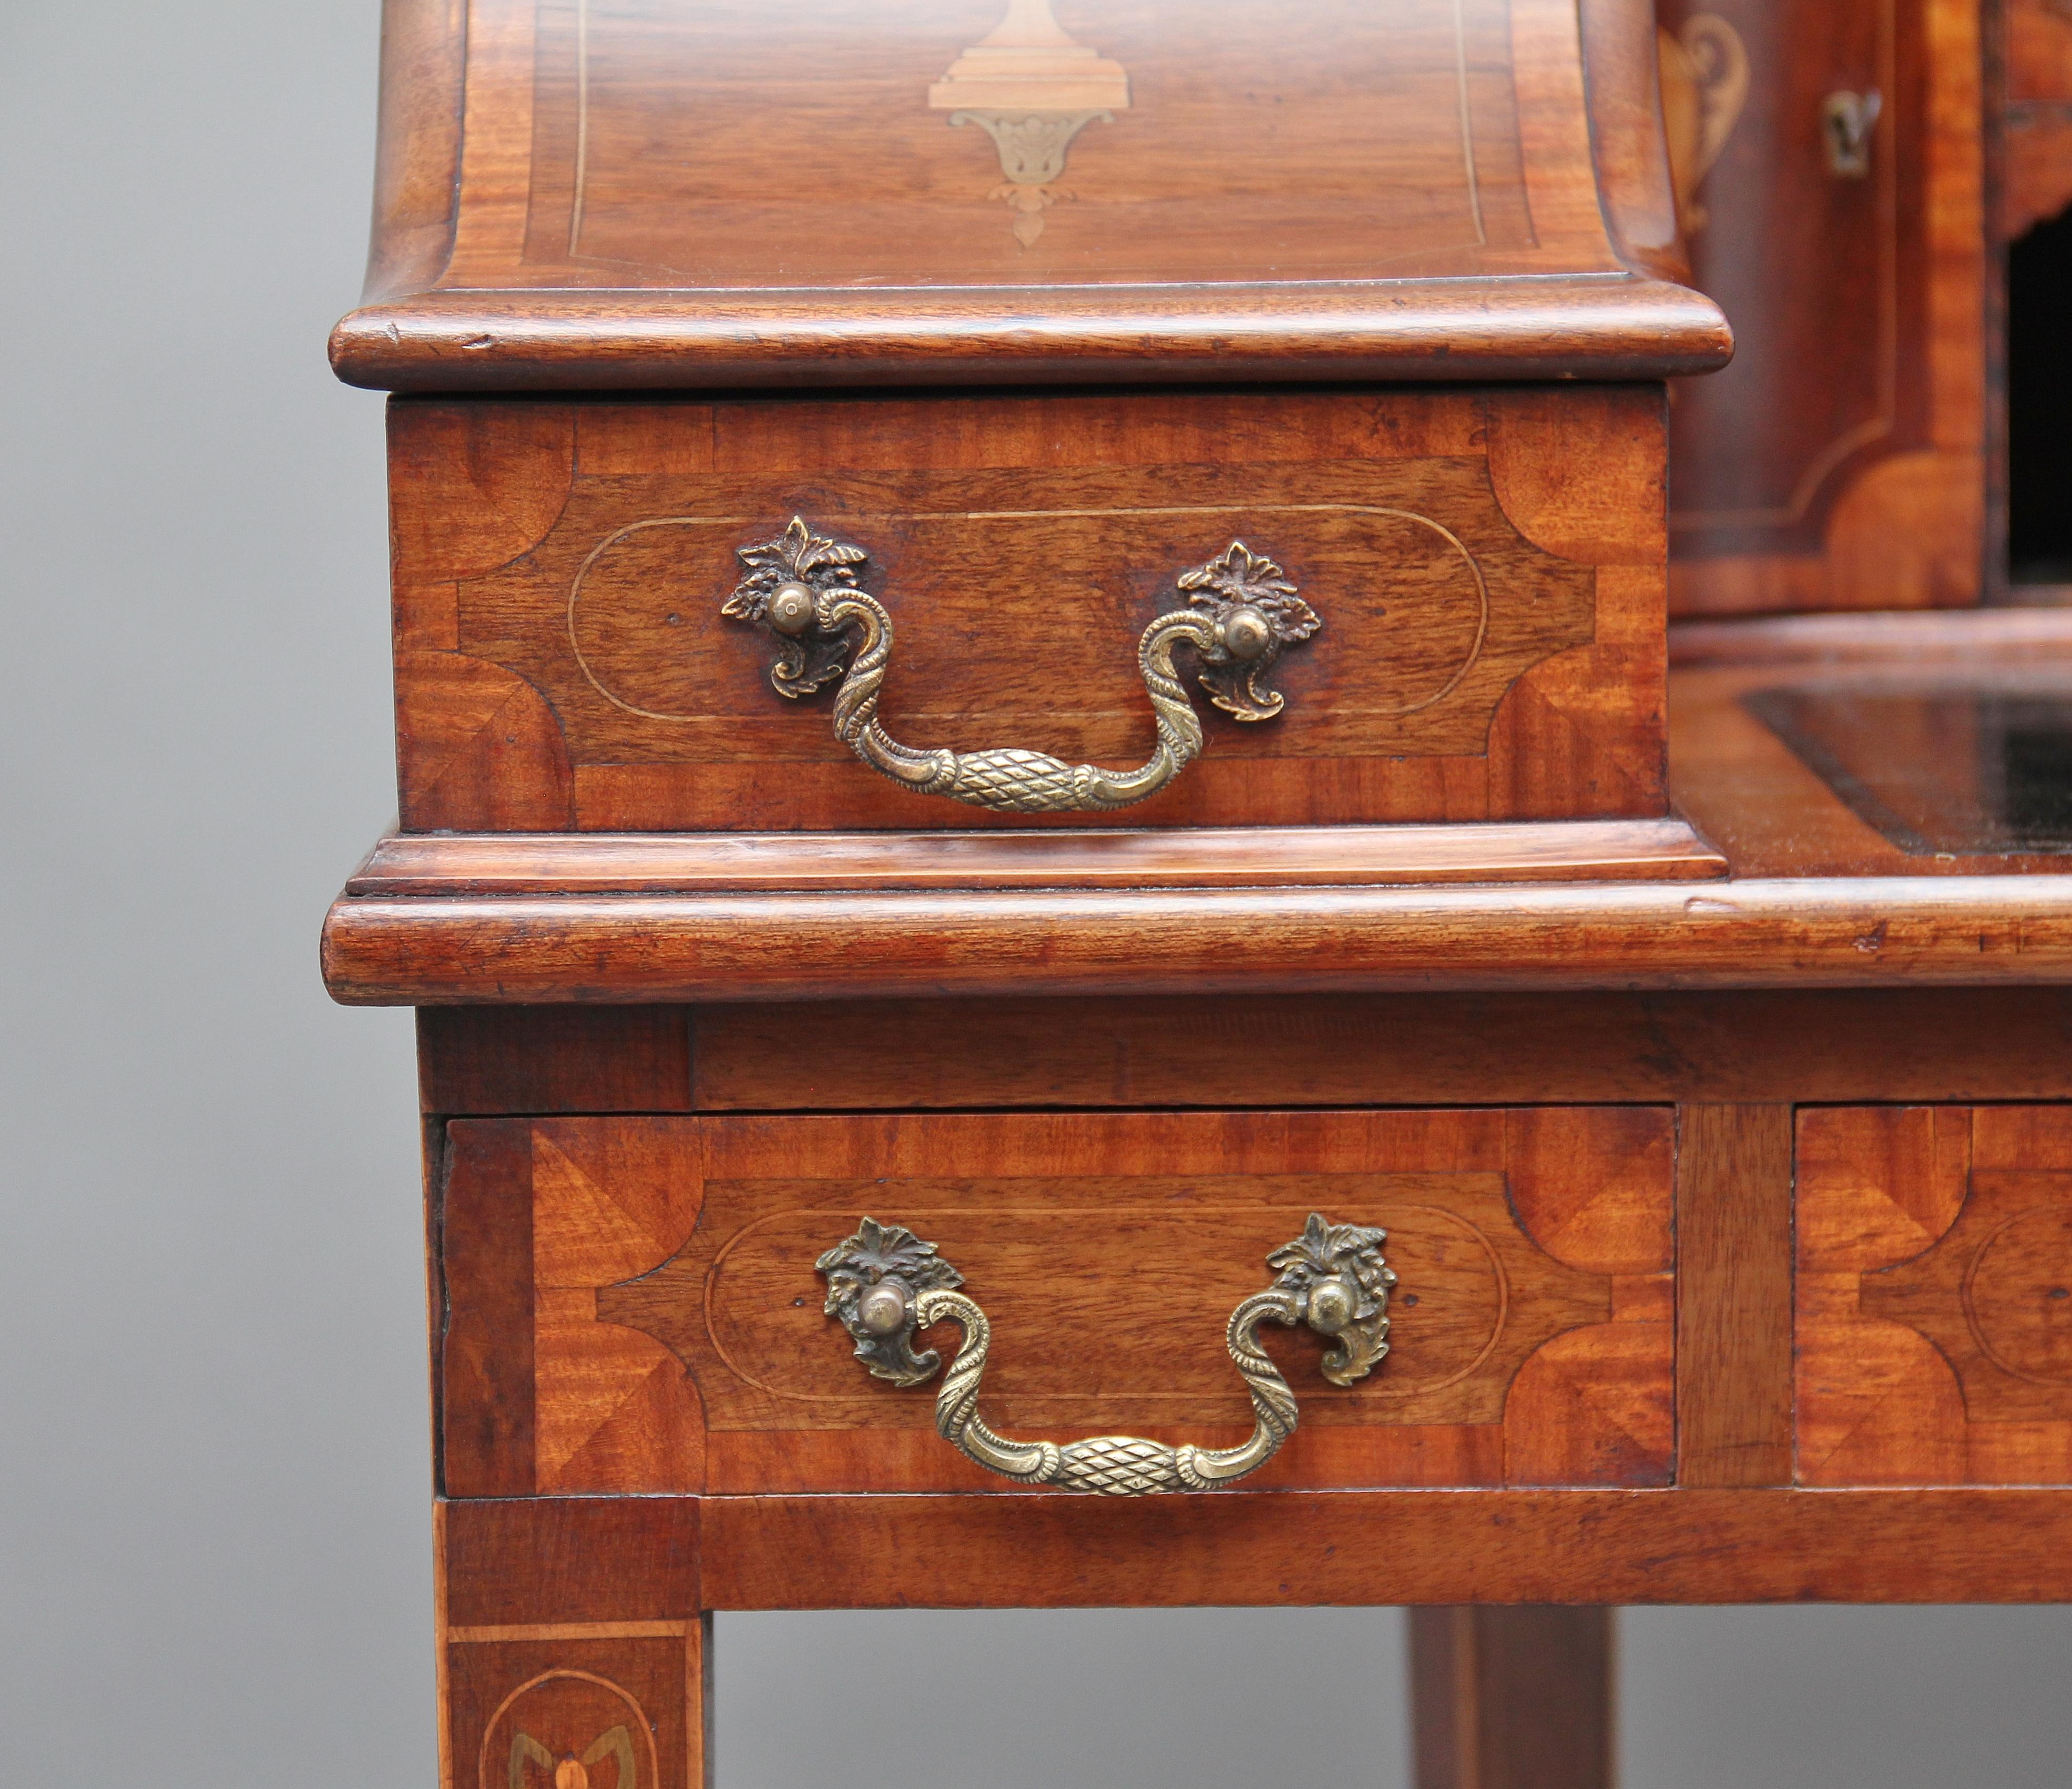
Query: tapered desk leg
<point>1512,1698</point>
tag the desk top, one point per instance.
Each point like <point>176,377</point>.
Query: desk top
<point>639,192</point>
<point>1891,745</point>
<point>1888,794</point>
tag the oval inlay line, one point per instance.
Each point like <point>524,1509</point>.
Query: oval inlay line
<point>639,1724</point>
<point>1992,1338</point>
<point>842,1219</point>
<point>1396,711</point>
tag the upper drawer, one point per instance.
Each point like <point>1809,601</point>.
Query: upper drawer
<point>1484,569</point>
<point>632,1305</point>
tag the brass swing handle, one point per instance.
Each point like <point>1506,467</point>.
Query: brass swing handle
<point>802,588</point>
<point>884,1283</point>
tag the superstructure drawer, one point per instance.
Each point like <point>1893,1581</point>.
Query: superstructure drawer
<point>1394,606</point>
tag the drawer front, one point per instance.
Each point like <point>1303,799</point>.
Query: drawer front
<point>1488,568</point>
<point>632,1303</point>
<point>1935,1295</point>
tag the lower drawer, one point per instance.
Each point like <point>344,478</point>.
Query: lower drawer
<point>1935,1295</point>
<point>632,1304</point>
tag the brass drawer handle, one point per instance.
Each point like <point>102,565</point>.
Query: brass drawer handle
<point>802,589</point>
<point>884,1283</point>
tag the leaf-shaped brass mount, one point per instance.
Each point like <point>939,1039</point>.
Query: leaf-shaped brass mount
<point>885,1283</point>
<point>801,589</point>
<point>1344,1284</point>
<point>873,1279</point>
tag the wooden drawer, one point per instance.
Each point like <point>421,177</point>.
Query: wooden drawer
<point>1935,1295</point>
<point>632,1306</point>
<point>1488,566</point>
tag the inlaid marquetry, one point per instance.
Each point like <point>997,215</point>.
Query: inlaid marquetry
<point>579,1710</point>
<point>675,1338</point>
<point>1493,648</point>
<point>1934,1328</point>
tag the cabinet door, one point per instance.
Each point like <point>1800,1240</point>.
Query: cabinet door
<point>1838,462</point>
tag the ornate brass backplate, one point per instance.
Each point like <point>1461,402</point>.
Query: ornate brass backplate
<point>873,1279</point>
<point>884,1283</point>
<point>1240,611</point>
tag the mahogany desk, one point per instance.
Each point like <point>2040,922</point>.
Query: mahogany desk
<point>1041,786</point>
<point>1820,1346</point>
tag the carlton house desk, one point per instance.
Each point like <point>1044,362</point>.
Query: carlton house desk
<point>1269,816</point>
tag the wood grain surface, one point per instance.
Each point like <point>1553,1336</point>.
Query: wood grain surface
<point>483,1365</point>
<point>672,1557</point>
<point>677,1340</point>
<point>1336,133</point>
<point>1733,1294</point>
<point>663,1558</point>
<point>1515,1698</point>
<point>1731,1274</point>
<point>1935,1305</point>
<point>1896,765</point>
<point>1491,649</point>
<point>1627,140</point>
<point>1819,896</point>
<point>546,1059</point>
<point>1893,931</point>
<point>568,1562</point>
<point>1391,1547</point>
<point>1606,327</point>
<point>593,863</point>
<point>1413,189</point>
<point>1944,643</point>
<point>571,1624</point>
<point>1727,1047</point>
<point>1734,1047</point>
<point>417,173</point>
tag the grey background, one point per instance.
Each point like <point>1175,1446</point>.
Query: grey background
<point>214,1558</point>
